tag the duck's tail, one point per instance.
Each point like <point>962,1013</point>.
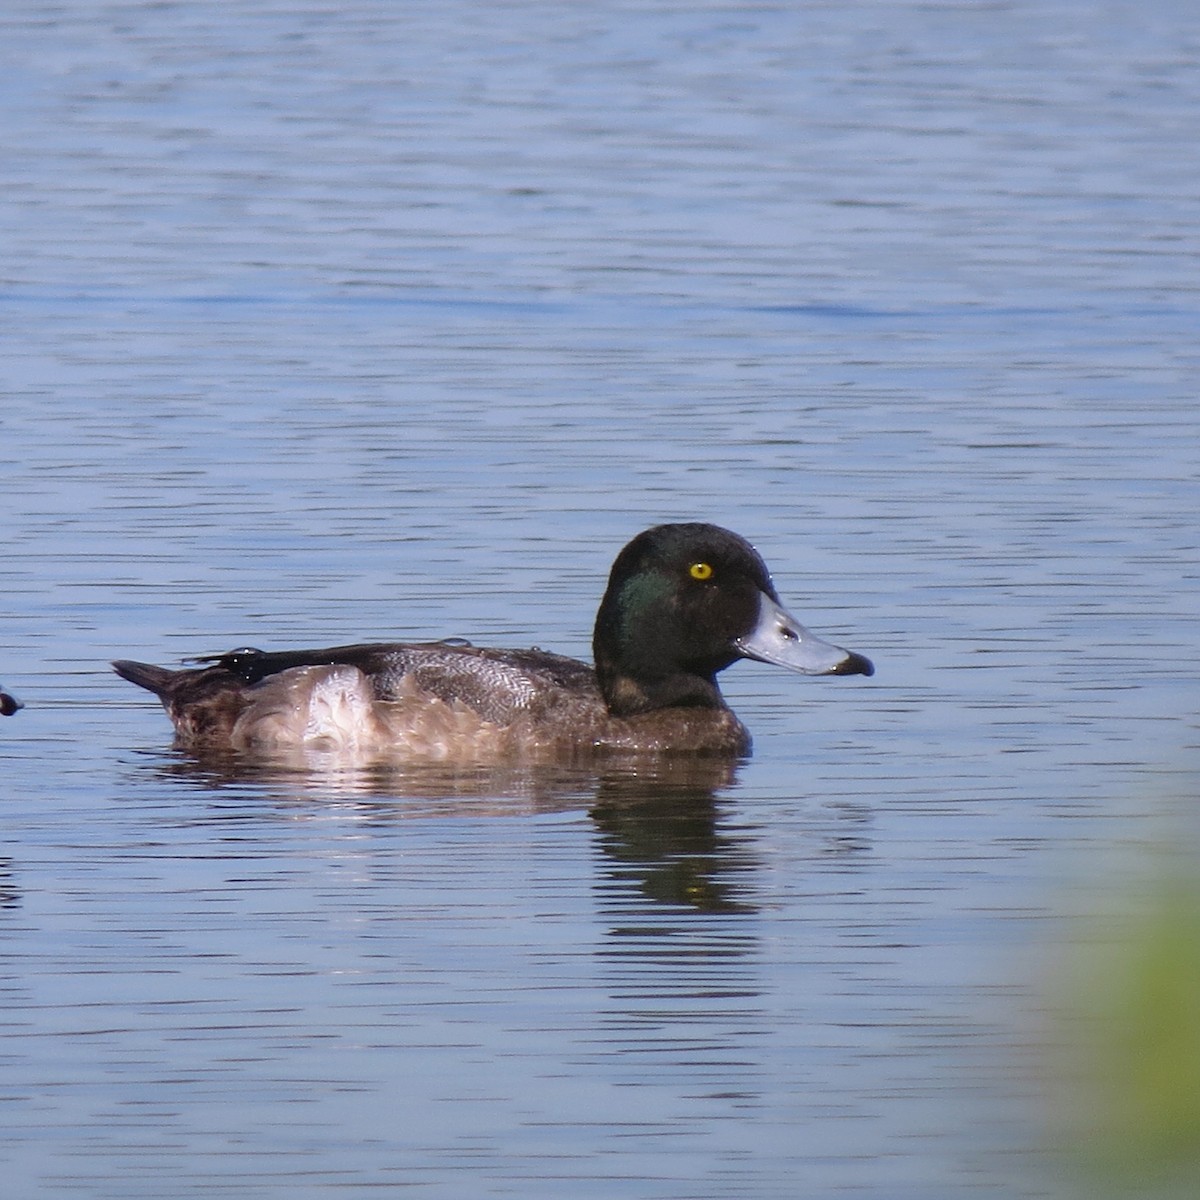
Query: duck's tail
<point>153,679</point>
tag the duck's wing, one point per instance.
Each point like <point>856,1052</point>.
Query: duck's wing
<point>500,685</point>
<point>249,688</point>
<point>496,683</point>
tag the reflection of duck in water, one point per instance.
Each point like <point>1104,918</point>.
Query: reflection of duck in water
<point>683,603</point>
<point>661,837</point>
<point>9,704</point>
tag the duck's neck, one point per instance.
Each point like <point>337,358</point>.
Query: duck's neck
<point>626,695</point>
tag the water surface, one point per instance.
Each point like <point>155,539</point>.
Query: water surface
<point>397,321</point>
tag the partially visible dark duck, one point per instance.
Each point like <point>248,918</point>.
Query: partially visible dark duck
<point>9,704</point>
<point>683,602</point>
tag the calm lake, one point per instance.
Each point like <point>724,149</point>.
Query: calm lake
<point>325,323</point>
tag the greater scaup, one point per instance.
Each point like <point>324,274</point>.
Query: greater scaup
<point>683,602</point>
<point>9,704</point>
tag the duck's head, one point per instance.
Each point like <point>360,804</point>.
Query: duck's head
<point>684,602</point>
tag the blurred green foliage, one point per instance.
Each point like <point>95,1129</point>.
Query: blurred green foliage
<point>1131,1108</point>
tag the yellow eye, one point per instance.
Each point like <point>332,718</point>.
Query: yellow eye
<point>700,570</point>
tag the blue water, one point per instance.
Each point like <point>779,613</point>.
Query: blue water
<point>324,324</point>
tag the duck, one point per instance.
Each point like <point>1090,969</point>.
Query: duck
<point>9,704</point>
<point>683,602</point>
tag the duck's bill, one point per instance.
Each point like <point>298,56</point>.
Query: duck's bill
<point>780,639</point>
